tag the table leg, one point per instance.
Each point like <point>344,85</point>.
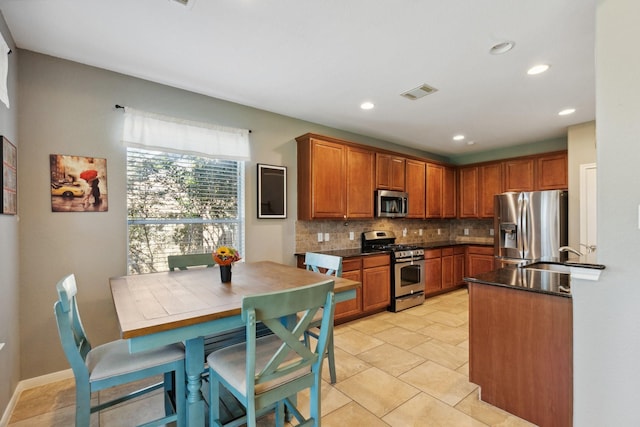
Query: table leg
<point>194,361</point>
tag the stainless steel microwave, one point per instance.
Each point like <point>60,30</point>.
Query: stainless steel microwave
<point>391,204</point>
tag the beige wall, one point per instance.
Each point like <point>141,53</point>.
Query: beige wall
<point>581,140</point>
<point>606,320</point>
<point>9,244</point>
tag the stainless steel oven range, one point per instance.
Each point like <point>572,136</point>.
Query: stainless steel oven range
<point>407,268</point>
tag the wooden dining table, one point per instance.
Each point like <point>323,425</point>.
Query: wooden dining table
<point>157,309</point>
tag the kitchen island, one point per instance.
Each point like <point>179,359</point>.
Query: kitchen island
<point>521,343</point>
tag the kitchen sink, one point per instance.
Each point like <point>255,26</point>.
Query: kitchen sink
<point>575,269</point>
<point>549,266</point>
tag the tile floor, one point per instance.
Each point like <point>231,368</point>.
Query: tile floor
<point>394,369</point>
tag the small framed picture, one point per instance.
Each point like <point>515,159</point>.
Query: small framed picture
<point>9,178</point>
<point>78,184</point>
<point>272,191</point>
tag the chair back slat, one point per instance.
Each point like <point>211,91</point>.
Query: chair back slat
<point>330,263</point>
<point>182,262</point>
<point>293,353</point>
<point>74,340</point>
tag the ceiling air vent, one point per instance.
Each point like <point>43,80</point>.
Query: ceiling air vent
<point>419,92</point>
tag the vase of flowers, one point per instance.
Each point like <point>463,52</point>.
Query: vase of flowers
<point>225,256</point>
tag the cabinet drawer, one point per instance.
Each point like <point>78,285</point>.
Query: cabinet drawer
<point>480,250</point>
<point>447,251</point>
<point>432,253</point>
<point>374,261</point>
<point>458,250</point>
<point>351,264</point>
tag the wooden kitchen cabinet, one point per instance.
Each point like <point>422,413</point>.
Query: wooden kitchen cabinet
<point>452,265</point>
<point>552,171</point>
<point>390,172</point>
<point>351,269</point>
<point>441,191</point>
<point>480,259</point>
<point>521,352</point>
<point>489,184</point>
<point>478,185</point>
<point>435,182</point>
<point>519,174</point>
<point>415,185</point>
<point>459,259</point>
<point>468,192</point>
<point>359,186</point>
<point>376,288</point>
<point>432,271</point>
<point>335,179</point>
<point>447,268</point>
<point>449,192</point>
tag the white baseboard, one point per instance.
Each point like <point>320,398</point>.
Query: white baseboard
<point>31,383</point>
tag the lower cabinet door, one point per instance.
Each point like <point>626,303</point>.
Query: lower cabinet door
<point>376,290</point>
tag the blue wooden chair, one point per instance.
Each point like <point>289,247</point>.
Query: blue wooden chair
<point>330,265</point>
<point>181,262</point>
<point>111,364</point>
<point>265,372</point>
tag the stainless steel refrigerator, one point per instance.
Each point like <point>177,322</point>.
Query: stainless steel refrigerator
<point>530,226</point>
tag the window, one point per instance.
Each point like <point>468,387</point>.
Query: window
<point>181,203</point>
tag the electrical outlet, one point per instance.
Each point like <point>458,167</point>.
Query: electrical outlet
<point>351,235</point>
<point>326,237</point>
<point>439,232</point>
<point>420,232</point>
<point>466,231</point>
<point>404,232</point>
<point>319,237</point>
<point>491,232</point>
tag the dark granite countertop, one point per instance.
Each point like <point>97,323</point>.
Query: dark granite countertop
<point>346,253</point>
<point>545,282</point>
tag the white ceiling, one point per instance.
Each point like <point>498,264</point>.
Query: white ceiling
<point>317,60</point>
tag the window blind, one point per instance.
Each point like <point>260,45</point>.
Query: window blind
<point>180,204</point>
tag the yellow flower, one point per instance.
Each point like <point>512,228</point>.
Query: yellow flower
<point>225,255</point>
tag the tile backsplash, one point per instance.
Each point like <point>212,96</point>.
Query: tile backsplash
<point>432,231</point>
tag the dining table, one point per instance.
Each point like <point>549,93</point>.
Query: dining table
<point>156,309</point>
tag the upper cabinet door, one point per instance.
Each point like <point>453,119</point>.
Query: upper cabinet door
<point>390,172</point>
<point>490,181</point>
<point>468,192</point>
<point>360,175</point>
<point>449,192</point>
<point>518,174</point>
<point>416,188</point>
<point>552,172</point>
<point>435,182</point>
<point>321,179</point>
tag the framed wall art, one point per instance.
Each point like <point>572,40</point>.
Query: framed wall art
<point>78,184</point>
<point>9,179</point>
<point>272,191</point>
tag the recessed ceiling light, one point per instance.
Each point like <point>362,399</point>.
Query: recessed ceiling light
<point>458,137</point>
<point>471,142</point>
<point>501,48</point>
<point>537,69</point>
<point>567,111</point>
<point>367,105</point>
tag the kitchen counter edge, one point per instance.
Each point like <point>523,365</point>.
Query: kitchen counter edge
<point>543,282</point>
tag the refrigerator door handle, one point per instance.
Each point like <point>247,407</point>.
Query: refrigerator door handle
<point>524,225</point>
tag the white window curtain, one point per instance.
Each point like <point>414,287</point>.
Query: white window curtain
<point>154,131</point>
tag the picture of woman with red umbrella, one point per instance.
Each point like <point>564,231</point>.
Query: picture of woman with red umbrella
<point>78,184</point>
<point>91,176</point>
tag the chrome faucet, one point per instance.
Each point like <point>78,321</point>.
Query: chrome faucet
<point>569,249</point>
